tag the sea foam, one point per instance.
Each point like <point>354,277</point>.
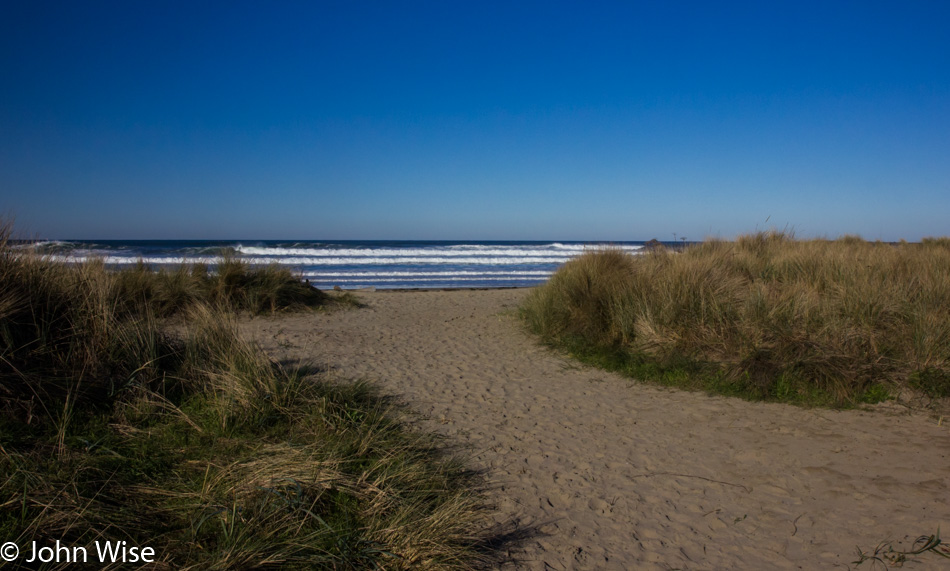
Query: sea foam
<point>355,264</point>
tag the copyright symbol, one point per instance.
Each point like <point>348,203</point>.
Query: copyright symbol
<point>9,551</point>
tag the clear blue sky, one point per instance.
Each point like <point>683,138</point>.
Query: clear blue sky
<point>474,120</point>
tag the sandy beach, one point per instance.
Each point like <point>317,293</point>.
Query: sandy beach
<point>611,474</point>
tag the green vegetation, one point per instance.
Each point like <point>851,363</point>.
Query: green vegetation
<point>885,553</point>
<point>234,285</point>
<point>184,438</point>
<point>814,322</point>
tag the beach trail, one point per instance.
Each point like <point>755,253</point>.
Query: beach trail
<point>614,474</point>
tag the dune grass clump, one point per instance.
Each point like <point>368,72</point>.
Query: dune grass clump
<point>231,283</point>
<point>820,321</point>
<point>194,443</point>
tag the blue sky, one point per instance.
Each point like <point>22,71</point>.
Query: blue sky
<point>474,120</point>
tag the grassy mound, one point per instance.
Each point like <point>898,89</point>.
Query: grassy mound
<point>816,322</point>
<point>234,285</point>
<point>196,444</point>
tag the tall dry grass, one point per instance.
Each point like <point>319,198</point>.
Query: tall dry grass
<point>191,441</point>
<point>231,283</point>
<point>767,315</point>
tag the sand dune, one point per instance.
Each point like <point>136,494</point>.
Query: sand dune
<point>619,475</point>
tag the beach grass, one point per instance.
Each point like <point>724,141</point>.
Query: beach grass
<point>232,284</point>
<point>816,322</point>
<point>117,424</point>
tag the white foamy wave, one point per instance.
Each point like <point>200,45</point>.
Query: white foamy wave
<point>414,285</point>
<point>437,251</point>
<point>594,247</point>
<point>130,260</point>
<point>346,281</point>
<point>300,261</point>
<point>516,274</point>
<point>575,247</point>
<point>478,261</point>
<point>357,264</point>
<point>545,247</point>
<point>39,245</point>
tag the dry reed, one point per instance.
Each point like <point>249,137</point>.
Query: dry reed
<point>842,321</point>
<point>195,443</point>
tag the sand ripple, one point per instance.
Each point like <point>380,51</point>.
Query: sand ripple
<point>617,475</point>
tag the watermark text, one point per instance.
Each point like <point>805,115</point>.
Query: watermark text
<point>58,552</point>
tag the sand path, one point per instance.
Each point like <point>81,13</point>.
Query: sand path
<point>618,475</point>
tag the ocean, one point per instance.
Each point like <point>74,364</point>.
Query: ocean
<point>352,264</point>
